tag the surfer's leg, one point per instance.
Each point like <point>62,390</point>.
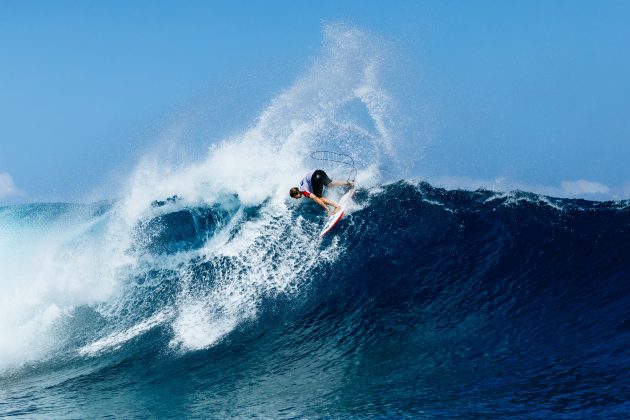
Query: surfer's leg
<point>326,179</point>
<point>341,184</point>
<point>318,181</point>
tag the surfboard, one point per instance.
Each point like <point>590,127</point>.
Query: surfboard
<point>332,220</point>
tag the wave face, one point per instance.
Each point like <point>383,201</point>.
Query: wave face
<point>422,302</point>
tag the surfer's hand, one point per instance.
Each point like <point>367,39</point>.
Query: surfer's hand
<point>327,211</point>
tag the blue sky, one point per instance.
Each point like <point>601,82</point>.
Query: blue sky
<point>529,94</point>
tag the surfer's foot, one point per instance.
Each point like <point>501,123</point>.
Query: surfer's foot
<point>336,210</point>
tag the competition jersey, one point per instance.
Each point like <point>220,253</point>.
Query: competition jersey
<point>306,187</point>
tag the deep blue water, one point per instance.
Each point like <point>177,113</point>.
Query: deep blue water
<point>424,302</point>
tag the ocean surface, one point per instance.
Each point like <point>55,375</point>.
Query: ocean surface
<point>422,302</point>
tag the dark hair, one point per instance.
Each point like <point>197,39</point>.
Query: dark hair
<point>293,192</point>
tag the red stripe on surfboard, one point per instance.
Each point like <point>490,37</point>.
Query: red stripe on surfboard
<point>333,225</point>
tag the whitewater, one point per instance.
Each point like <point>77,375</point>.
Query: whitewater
<point>205,291</point>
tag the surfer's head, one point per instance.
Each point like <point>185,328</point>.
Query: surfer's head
<point>295,192</point>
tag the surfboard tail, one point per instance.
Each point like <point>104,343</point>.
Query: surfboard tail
<point>332,222</point>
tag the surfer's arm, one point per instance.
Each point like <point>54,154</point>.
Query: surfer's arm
<point>320,201</point>
<point>330,203</point>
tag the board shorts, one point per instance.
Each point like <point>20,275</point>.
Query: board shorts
<point>319,180</point>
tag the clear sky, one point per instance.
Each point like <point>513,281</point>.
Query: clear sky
<point>526,94</point>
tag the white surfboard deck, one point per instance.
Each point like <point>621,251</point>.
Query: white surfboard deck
<point>332,220</point>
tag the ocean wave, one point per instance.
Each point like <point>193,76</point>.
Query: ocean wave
<point>421,298</point>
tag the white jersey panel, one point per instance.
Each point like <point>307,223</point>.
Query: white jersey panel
<point>306,184</point>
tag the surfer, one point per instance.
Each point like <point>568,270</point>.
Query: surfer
<point>312,186</point>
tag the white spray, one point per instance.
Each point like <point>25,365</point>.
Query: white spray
<point>338,104</point>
